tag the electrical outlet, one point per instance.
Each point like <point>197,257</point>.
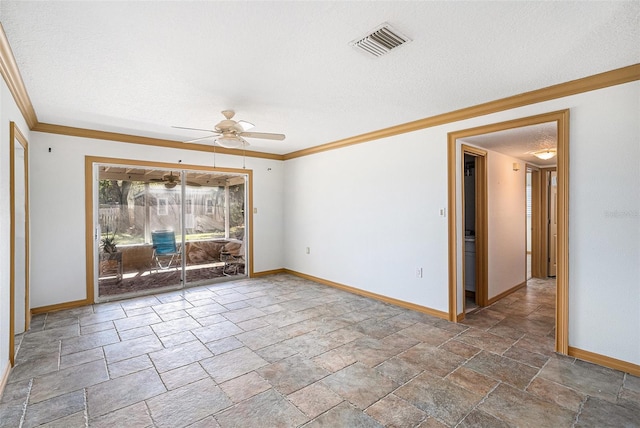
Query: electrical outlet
<point>419,272</point>
<point>308,250</point>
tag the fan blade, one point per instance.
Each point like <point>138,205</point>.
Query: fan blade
<point>194,129</point>
<point>201,138</point>
<point>245,125</point>
<point>263,135</point>
<point>156,180</point>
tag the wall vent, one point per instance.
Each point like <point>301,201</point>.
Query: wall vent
<point>380,41</point>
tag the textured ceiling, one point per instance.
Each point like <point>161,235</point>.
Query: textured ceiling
<point>521,142</point>
<point>140,67</point>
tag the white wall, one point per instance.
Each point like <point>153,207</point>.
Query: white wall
<point>8,112</point>
<point>604,230</point>
<point>371,218</point>
<point>370,215</point>
<point>57,208</point>
<point>506,208</point>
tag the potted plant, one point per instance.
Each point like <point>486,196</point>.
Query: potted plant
<point>110,258</point>
<point>108,243</point>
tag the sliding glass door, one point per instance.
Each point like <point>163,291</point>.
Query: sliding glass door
<point>166,229</point>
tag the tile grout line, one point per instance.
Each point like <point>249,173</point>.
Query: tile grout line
<point>86,408</point>
<point>59,353</point>
<point>579,412</point>
<point>104,358</point>
<point>538,374</point>
<point>534,378</point>
<point>146,405</point>
<point>26,403</point>
<point>512,345</point>
<point>486,396</point>
<point>624,377</point>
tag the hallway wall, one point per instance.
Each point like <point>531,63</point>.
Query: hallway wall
<point>506,223</point>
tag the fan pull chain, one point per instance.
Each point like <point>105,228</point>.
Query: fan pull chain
<point>243,156</point>
<point>214,155</point>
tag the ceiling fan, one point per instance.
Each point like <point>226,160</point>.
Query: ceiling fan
<point>230,133</point>
<point>170,181</point>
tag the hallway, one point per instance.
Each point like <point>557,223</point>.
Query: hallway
<point>284,351</point>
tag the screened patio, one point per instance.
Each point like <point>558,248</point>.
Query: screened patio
<point>204,211</point>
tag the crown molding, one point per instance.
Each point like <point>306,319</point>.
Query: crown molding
<point>11,75</point>
<point>586,84</point>
<point>136,139</point>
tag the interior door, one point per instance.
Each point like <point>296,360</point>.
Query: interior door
<point>553,225</point>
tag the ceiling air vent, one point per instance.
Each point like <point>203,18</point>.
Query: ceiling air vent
<point>380,41</point>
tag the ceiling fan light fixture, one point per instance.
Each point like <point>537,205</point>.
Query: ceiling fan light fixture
<point>228,133</point>
<point>545,154</point>
<point>229,141</point>
<point>244,125</point>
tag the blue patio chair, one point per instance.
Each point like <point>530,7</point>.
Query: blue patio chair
<point>164,247</point>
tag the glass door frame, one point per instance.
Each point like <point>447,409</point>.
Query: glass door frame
<point>91,214</point>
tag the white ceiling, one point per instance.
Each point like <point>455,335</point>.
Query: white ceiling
<point>520,143</point>
<point>140,67</point>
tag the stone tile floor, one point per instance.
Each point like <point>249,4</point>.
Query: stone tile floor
<point>282,352</point>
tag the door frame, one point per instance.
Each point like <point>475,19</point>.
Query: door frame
<point>540,220</point>
<point>481,223</point>
<point>537,222</point>
<point>561,118</point>
<point>90,225</point>
<point>16,135</point>
<point>545,176</point>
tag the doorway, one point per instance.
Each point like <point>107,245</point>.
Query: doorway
<point>161,227</point>
<point>474,219</point>
<point>544,222</point>
<point>20,311</point>
<point>560,121</point>
<point>529,218</point>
